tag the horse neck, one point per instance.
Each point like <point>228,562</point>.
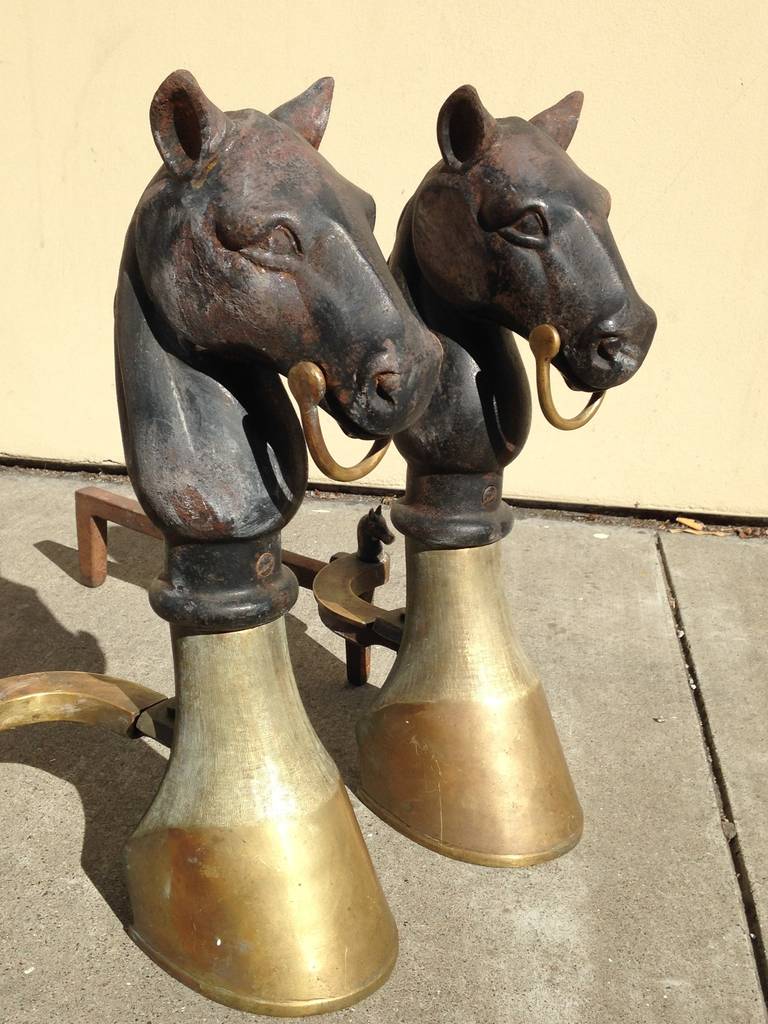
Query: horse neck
<point>217,459</point>
<point>456,328</point>
<point>477,420</point>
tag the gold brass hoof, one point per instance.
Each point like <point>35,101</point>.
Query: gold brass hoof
<point>307,385</point>
<point>249,879</point>
<point>545,344</point>
<point>459,751</point>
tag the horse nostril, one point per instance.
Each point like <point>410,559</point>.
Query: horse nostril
<point>609,348</point>
<point>386,383</point>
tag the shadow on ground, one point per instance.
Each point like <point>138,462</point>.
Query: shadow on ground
<point>33,640</point>
<point>133,557</point>
<point>332,705</point>
<point>117,778</point>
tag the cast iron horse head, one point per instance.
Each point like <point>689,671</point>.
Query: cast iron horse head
<point>248,254</point>
<point>504,234</point>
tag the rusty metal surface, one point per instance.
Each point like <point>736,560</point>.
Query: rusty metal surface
<point>248,253</point>
<point>505,233</point>
<point>94,508</point>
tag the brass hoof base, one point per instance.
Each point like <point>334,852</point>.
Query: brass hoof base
<point>282,918</point>
<point>288,1008</point>
<point>248,877</point>
<point>296,1008</point>
<point>511,860</point>
<point>459,750</point>
<point>479,784</point>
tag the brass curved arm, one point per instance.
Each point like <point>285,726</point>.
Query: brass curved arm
<point>114,704</point>
<point>307,384</point>
<point>545,344</point>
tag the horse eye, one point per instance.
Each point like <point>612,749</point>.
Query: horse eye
<point>280,240</point>
<point>531,223</point>
<point>529,228</point>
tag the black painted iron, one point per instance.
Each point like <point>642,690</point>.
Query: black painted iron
<point>458,750</point>
<point>503,234</point>
<point>248,253</point>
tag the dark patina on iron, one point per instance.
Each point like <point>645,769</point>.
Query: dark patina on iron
<point>248,253</point>
<point>504,234</point>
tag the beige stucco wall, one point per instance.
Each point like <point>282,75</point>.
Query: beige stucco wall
<point>675,124</point>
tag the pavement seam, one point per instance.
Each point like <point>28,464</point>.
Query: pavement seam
<point>730,832</point>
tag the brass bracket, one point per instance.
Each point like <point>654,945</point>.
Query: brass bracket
<point>342,590</point>
<point>113,704</point>
<point>545,344</point>
<point>307,384</point>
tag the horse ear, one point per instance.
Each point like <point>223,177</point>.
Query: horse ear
<point>464,127</point>
<point>308,113</point>
<point>187,128</point>
<point>560,121</point>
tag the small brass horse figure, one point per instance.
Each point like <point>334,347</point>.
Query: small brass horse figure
<point>372,534</point>
<point>504,234</point>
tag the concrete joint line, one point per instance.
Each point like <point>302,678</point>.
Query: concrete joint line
<point>730,832</point>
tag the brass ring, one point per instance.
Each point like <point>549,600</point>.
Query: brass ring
<point>545,344</point>
<point>307,383</point>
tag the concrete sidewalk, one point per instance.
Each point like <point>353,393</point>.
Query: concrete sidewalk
<point>661,709</point>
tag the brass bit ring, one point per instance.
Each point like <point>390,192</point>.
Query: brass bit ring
<point>545,344</point>
<point>307,383</point>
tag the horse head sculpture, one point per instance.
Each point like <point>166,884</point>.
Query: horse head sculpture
<point>506,233</point>
<point>248,256</point>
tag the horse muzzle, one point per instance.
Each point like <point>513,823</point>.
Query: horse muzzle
<point>387,397</point>
<point>610,351</point>
<point>394,386</point>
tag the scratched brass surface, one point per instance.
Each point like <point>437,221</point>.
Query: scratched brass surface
<point>459,751</point>
<point>248,876</point>
<point>84,697</point>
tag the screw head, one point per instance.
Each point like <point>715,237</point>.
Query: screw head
<point>265,564</point>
